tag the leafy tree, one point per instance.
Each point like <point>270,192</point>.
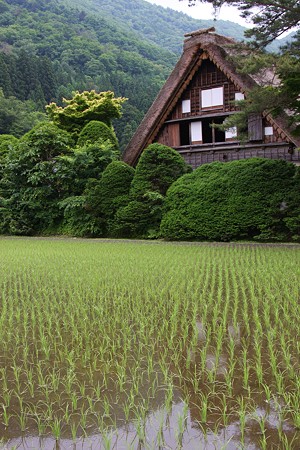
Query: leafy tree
<point>89,162</point>
<point>31,182</point>
<point>271,96</point>
<point>77,219</point>
<point>7,142</point>
<point>84,107</point>
<point>247,199</point>
<point>270,18</point>
<point>17,117</point>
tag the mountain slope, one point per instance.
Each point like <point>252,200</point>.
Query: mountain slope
<point>162,26</point>
<point>89,52</point>
<point>129,47</point>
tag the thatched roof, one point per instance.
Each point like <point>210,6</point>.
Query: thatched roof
<point>199,45</point>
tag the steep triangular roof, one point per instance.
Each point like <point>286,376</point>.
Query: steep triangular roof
<point>199,45</point>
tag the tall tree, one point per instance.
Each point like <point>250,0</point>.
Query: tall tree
<point>84,107</point>
<point>270,18</point>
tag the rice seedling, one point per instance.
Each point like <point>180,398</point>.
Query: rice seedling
<point>83,346</point>
<point>5,416</point>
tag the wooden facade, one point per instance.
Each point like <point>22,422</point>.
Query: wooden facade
<point>201,92</point>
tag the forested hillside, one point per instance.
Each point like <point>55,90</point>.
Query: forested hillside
<point>49,48</point>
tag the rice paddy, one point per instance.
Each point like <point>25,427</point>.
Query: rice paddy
<point>131,345</point>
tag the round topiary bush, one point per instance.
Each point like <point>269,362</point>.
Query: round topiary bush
<point>96,131</point>
<point>158,167</point>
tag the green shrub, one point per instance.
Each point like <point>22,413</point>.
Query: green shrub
<point>96,131</point>
<point>7,142</point>
<point>77,220</point>
<point>138,219</point>
<point>247,199</point>
<point>158,167</point>
<point>112,190</point>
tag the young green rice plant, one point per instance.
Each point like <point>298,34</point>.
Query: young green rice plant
<point>169,395</point>
<point>228,382</point>
<point>280,385</point>
<point>293,402</point>
<point>6,395</point>
<point>41,424</point>
<point>246,369</point>
<point>74,400</point>
<point>242,413</point>
<point>56,426</point>
<point>67,414</point>
<point>204,407</point>
<point>106,406</point>
<point>55,379</point>
<point>74,429</point>
<point>6,416</point>
<point>40,374</point>
<point>106,440</point>
<point>17,374</point>
<point>267,391</point>
<point>211,375</point>
<point>4,379</point>
<point>285,443</point>
<point>82,388</point>
<point>22,418</point>
<point>262,425</point>
<point>83,420</point>
<point>195,380</point>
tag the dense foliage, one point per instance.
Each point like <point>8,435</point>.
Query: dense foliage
<point>45,177</point>
<point>110,193</point>
<point>84,107</point>
<point>50,48</point>
<point>95,130</point>
<point>247,199</point>
<point>158,167</point>
<point>51,185</point>
<point>270,19</point>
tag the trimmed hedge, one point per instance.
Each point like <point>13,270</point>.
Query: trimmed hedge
<point>96,131</point>
<point>247,199</point>
<point>158,167</point>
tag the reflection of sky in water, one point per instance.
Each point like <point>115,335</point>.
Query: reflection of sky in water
<point>126,437</point>
<point>162,426</point>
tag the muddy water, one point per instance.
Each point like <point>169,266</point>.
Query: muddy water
<point>161,431</point>
<point>199,400</point>
<point>179,426</point>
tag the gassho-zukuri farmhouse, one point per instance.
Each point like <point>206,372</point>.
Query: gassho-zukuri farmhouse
<point>202,90</point>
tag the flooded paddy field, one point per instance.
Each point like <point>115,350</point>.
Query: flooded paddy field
<point>141,345</point>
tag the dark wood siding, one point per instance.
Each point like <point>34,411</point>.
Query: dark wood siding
<point>255,128</point>
<point>169,135</point>
<point>207,77</point>
<point>196,156</point>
